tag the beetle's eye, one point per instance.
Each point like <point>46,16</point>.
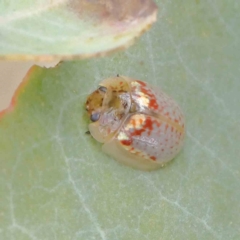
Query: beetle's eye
<point>95,116</point>
<point>102,89</point>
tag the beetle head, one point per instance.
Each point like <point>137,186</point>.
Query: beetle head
<point>94,103</point>
<point>107,107</point>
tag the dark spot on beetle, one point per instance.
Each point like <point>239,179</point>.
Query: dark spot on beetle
<point>102,89</point>
<point>125,104</point>
<point>95,116</point>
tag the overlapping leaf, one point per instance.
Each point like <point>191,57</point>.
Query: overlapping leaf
<point>66,29</point>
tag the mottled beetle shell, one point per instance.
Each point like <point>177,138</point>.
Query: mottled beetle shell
<point>139,125</point>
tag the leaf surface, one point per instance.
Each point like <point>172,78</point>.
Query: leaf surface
<point>56,183</point>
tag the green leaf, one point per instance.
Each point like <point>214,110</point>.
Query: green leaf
<point>66,29</point>
<point>56,183</point>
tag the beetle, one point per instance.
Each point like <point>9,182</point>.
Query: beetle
<point>139,125</point>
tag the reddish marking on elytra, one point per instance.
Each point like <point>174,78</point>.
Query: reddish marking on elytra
<point>153,158</point>
<point>172,129</point>
<point>146,91</point>
<point>141,83</point>
<point>133,122</point>
<point>152,98</point>
<point>138,132</point>
<point>126,142</point>
<point>153,103</point>
<point>141,121</point>
<point>148,124</point>
<point>121,83</point>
